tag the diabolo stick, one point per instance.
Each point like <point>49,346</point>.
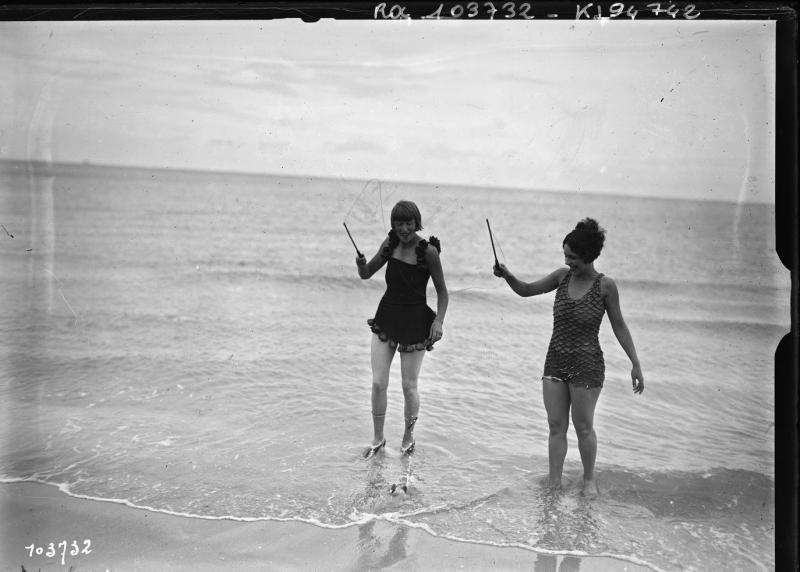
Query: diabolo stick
<point>496,262</point>
<point>351,239</point>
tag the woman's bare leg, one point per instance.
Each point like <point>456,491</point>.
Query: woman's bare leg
<point>556,398</point>
<point>584,402</point>
<point>381,359</point>
<point>410,365</point>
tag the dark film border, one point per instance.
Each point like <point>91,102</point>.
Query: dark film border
<point>396,10</point>
<point>787,188</point>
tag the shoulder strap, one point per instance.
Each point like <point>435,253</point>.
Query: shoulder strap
<point>422,246</point>
<point>394,240</point>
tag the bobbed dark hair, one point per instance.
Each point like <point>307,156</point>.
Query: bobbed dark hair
<point>586,239</point>
<point>404,211</point>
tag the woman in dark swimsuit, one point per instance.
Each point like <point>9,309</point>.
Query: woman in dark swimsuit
<point>574,368</point>
<point>403,320</point>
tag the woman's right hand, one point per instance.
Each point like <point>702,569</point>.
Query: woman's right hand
<point>500,270</point>
<point>361,260</point>
<point>637,379</point>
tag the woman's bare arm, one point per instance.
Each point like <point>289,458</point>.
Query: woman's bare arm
<point>621,331</point>
<point>437,275</point>
<point>526,289</point>
<point>367,269</point>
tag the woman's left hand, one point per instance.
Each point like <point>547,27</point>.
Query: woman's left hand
<point>436,331</point>
<point>637,379</point>
<point>500,270</point>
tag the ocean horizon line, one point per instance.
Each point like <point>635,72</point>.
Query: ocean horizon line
<point>43,164</point>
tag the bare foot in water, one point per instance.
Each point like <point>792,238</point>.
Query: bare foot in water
<point>552,484</point>
<point>374,448</point>
<point>590,489</point>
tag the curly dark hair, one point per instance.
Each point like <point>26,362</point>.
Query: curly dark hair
<point>586,240</point>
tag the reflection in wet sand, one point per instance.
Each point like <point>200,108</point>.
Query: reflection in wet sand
<point>374,553</point>
<point>566,523</point>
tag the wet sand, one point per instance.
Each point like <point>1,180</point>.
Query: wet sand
<point>129,539</point>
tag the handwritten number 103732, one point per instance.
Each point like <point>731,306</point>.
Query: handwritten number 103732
<point>507,10</point>
<point>52,549</point>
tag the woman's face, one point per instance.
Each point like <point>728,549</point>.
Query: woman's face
<point>571,259</point>
<point>405,229</point>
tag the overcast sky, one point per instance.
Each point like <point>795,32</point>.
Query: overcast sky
<point>649,108</point>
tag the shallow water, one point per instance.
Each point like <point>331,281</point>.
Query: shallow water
<point>197,343</point>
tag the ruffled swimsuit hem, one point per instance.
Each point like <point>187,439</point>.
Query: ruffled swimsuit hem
<point>426,344</point>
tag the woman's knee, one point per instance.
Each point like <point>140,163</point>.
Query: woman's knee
<point>409,385</point>
<point>558,425</point>
<point>380,384</point>
<point>583,430</point>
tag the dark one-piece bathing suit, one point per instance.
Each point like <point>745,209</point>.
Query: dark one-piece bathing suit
<point>403,318</point>
<point>574,355</point>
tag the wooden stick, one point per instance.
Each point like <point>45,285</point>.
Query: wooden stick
<point>351,239</point>
<point>496,262</point>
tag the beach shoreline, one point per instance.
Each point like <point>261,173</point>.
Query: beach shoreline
<point>126,538</point>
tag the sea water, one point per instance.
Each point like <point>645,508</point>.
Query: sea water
<point>196,343</point>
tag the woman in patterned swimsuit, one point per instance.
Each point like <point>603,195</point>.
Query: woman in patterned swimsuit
<point>574,368</point>
<point>403,321</point>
